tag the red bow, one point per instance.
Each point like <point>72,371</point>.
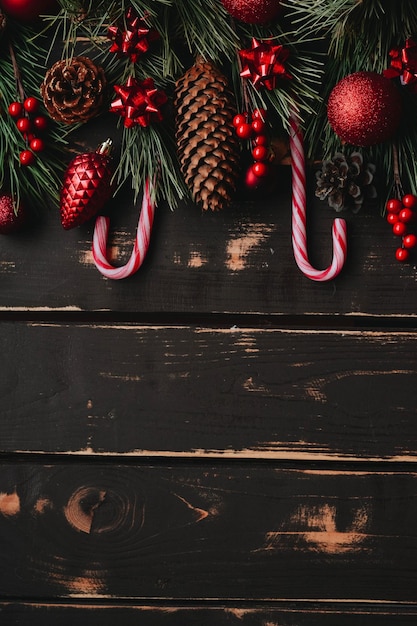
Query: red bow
<point>139,102</point>
<point>135,40</point>
<point>263,64</point>
<point>404,64</point>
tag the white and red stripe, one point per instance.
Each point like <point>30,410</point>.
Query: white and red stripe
<point>140,247</point>
<point>299,235</point>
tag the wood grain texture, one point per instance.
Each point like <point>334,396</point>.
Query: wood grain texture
<point>238,261</point>
<point>15,614</point>
<point>271,393</point>
<point>189,532</point>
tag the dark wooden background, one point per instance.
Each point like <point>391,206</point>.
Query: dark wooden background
<point>216,440</point>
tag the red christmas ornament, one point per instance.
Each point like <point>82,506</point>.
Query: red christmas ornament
<point>263,64</point>
<point>12,218</point>
<point>86,187</point>
<point>134,39</point>
<point>364,109</point>
<point>27,10</point>
<point>253,11</point>
<point>139,102</point>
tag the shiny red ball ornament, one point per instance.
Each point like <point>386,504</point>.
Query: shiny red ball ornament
<point>253,11</point>
<point>364,109</point>
<point>86,186</point>
<point>27,10</point>
<point>12,218</point>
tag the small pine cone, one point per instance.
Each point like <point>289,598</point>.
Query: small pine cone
<point>73,90</point>
<point>345,180</point>
<point>208,149</point>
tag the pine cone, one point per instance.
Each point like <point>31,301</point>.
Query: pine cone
<point>73,90</point>
<point>345,181</point>
<point>208,148</point>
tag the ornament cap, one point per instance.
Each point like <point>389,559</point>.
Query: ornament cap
<point>105,147</point>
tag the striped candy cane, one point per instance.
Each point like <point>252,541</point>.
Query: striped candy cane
<point>140,247</point>
<point>299,235</point>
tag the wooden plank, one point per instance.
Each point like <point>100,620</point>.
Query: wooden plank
<point>189,391</point>
<point>189,532</point>
<point>291,615</point>
<point>239,261</point>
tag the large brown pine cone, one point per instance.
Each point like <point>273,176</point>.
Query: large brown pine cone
<point>208,148</point>
<point>73,90</point>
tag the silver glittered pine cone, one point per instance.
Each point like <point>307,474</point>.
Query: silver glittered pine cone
<point>208,148</point>
<point>345,181</point>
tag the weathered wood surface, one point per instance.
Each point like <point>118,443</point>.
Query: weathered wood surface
<point>226,532</point>
<point>238,261</point>
<point>194,391</point>
<point>323,614</point>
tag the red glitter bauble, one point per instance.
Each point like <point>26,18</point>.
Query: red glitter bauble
<point>253,11</point>
<point>364,109</point>
<point>11,219</point>
<point>27,10</point>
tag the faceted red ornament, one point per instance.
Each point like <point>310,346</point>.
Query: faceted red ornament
<point>253,11</point>
<point>86,187</point>
<point>263,64</point>
<point>12,218</point>
<point>134,39</point>
<point>139,102</point>
<point>364,109</point>
<point>27,10</point>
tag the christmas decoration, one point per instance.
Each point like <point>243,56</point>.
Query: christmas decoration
<point>86,186</point>
<point>141,245</point>
<point>253,11</point>
<point>73,90</point>
<point>27,10</point>
<point>345,181</point>
<point>404,64</point>
<point>364,108</point>
<point>401,215</point>
<point>133,38</point>
<point>253,127</point>
<point>12,217</point>
<point>207,144</point>
<point>139,102</point>
<point>263,64</point>
<point>299,216</point>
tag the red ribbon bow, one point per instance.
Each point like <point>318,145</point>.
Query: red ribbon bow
<point>404,64</point>
<point>263,64</point>
<point>139,102</point>
<point>135,40</point>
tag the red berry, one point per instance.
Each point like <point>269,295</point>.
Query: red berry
<point>259,113</point>
<point>410,241</point>
<point>260,169</point>
<point>409,200</point>
<point>260,153</point>
<point>37,144</point>
<point>258,126</point>
<point>405,215</point>
<point>392,218</point>
<point>40,123</point>
<point>244,131</point>
<point>399,229</point>
<point>23,124</point>
<point>251,180</point>
<point>401,254</point>
<point>240,118</point>
<point>15,109</point>
<point>394,205</point>
<point>261,140</point>
<point>27,157</point>
<point>31,104</point>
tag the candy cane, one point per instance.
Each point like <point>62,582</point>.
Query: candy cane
<point>299,235</point>
<point>140,247</point>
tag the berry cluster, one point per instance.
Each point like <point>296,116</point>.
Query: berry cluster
<point>29,122</point>
<point>253,128</point>
<point>400,214</point>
